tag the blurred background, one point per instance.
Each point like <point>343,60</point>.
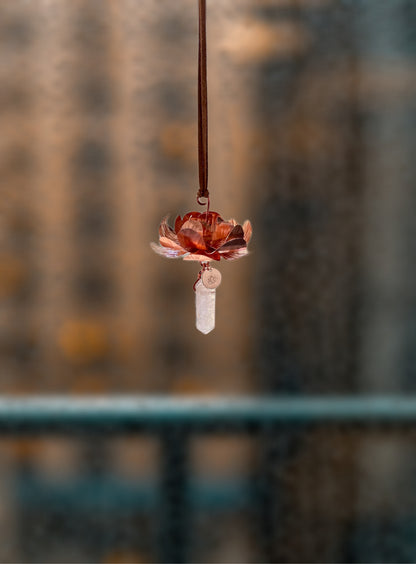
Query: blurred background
<point>311,106</point>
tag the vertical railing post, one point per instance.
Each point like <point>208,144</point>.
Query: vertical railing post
<point>174,508</point>
<point>276,447</point>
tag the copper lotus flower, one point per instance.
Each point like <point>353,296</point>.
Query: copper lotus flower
<point>203,237</point>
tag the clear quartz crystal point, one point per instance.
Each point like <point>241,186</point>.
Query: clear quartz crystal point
<point>205,308</point>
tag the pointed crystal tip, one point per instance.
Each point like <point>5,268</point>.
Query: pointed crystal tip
<point>205,330</point>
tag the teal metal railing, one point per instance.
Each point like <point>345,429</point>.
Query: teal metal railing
<point>138,413</point>
<point>174,421</point>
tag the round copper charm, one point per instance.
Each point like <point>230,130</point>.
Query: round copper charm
<point>211,278</point>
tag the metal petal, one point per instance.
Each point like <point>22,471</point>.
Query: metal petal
<point>199,258</point>
<point>236,233</point>
<point>234,255</point>
<point>191,240</point>
<point>179,221</point>
<point>167,252</point>
<point>248,230</point>
<point>193,224</point>
<point>165,242</point>
<point>232,244</point>
<point>220,234</point>
<point>166,230</point>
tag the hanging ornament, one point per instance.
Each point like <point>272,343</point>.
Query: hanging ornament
<point>203,236</point>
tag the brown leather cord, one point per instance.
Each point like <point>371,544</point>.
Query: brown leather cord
<point>202,105</point>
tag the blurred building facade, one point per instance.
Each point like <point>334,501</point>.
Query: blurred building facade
<point>310,105</point>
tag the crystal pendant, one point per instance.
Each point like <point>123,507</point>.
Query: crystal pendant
<point>205,307</point>
<point>205,290</point>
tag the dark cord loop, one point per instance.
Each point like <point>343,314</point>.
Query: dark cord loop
<point>203,203</point>
<point>202,105</point>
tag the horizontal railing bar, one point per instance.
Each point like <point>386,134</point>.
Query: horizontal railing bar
<point>157,413</point>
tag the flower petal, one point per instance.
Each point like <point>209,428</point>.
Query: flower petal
<point>166,242</point>
<point>168,252</point>
<point>214,255</point>
<point>220,234</point>
<point>236,233</point>
<point>234,255</point>
<point>166,230</point>
<point>180,221</point>
<point>232,245</point>
<point>193,224</point>
<point>191,240</point>
<point>199,258</point>
<point>248,230</point>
